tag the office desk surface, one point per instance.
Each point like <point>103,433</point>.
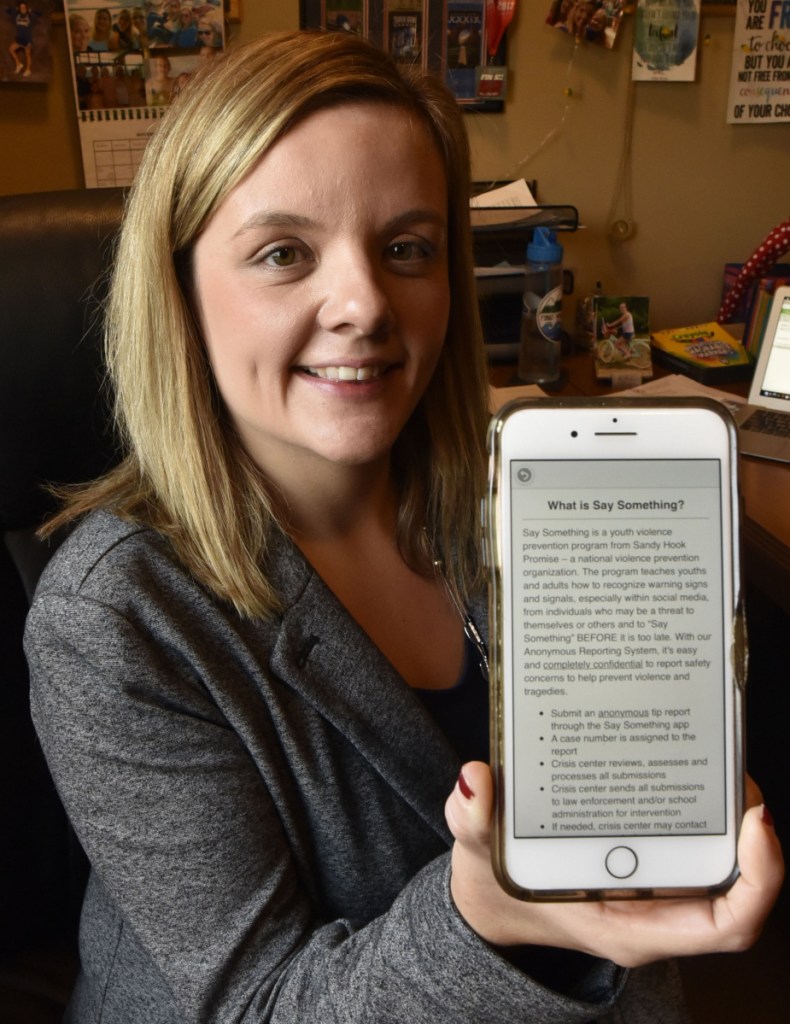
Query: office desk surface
<point>765,485</point>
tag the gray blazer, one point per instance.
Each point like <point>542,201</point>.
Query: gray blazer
<point>262,806</point>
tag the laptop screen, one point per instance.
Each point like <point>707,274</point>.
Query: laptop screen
<point>771,384</point>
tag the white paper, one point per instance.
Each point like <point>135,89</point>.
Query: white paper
<point>677,385</point>
<point>515,193</point>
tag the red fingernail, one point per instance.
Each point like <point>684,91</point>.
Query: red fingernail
<point>768,818</point>
<point>463,785</point>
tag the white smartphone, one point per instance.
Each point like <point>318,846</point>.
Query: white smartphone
<point>618,652</point>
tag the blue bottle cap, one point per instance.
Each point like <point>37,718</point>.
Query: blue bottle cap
<point>544,247</point>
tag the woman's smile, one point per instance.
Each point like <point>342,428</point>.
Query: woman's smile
<point>345,374</point>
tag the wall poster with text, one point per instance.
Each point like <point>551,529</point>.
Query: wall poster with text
<point>127,65</point>
<point>760,73</point>
<point>666,33</point>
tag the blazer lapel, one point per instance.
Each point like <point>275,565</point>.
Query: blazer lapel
<point>326,657</point>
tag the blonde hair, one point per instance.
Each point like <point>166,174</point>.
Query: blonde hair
<point>186,472</point>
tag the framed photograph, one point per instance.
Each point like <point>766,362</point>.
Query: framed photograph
<point>404,38</point>
<point>622,336</point>
<point>455,39</point>
<point>26,41</point>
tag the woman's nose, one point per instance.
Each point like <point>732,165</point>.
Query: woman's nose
<point>356,299</point>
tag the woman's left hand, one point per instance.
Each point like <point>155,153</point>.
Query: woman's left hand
<point>630,933</point>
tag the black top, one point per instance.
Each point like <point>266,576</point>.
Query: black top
<point>461,711</point>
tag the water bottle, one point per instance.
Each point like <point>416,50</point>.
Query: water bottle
<point>541,311</point>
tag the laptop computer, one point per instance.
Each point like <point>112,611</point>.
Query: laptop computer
<point>764,422</point>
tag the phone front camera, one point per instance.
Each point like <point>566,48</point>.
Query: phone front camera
<point>574,433</point>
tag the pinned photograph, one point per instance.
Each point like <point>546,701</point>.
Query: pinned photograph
<point>588,21</point>
<point>25,54</point>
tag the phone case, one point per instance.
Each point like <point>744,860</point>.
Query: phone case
<point>492,544</point>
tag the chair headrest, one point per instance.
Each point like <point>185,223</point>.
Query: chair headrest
<point>55,424</point>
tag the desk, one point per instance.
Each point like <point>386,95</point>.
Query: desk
<point>765,485</point>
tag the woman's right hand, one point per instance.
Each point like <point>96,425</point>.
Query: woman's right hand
<point>628,932</point>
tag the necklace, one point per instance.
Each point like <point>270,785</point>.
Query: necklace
<point>471,632</point>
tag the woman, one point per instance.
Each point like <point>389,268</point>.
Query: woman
<point>162,26</point>
<point>80,32</point>
<point>228,655</point>
<point>186,35</point>
<point>209,31</point>
<point>21,49</point>
<point>123,36</point>
<point>139,30</point>
<point>159,84</point>
<point>102,31</point>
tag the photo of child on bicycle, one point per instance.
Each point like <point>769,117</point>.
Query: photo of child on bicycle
<point>622,335</point>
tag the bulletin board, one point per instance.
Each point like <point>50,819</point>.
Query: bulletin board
<point>447,37</point>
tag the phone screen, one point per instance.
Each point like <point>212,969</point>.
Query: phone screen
<point>618,648</point>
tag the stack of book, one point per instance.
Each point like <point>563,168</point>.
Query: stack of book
<point>755,328</point>
<point>753,310</point>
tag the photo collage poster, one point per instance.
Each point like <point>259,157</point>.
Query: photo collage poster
<point>25,48</point>
<point>128,63</point>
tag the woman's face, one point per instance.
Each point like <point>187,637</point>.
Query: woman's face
<point>160,67</point>
<point>322,289</point>
<point>206,32</point>
<point>80,34</point>
<point>102,21</point>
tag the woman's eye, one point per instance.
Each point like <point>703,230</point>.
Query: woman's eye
<point>283,256</point>
<point>405,252</point>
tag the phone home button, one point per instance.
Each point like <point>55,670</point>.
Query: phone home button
<point>621,862</point>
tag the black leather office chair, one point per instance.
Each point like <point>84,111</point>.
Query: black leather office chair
<point>55,250</point>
